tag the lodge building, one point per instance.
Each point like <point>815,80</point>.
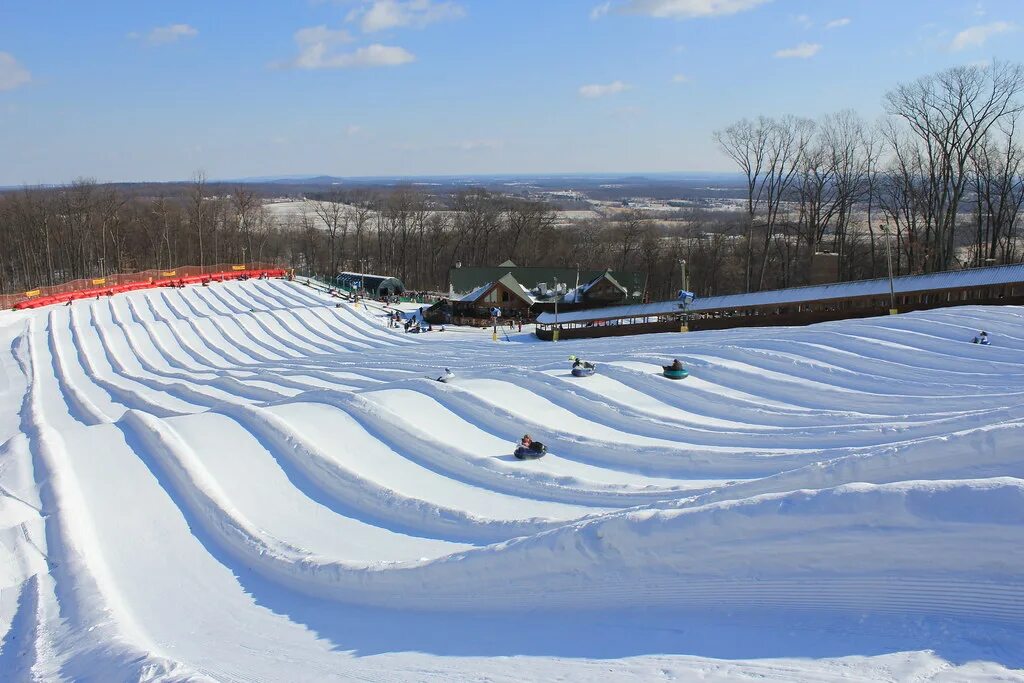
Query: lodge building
<point>524,292</point>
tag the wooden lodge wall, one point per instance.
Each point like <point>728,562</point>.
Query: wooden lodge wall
<point>804,313</point>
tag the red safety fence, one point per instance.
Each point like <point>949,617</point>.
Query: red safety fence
<point>127,282</point>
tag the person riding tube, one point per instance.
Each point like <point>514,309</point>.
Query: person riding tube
<point>529,449</point>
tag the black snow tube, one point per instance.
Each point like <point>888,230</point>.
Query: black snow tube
<point>583,371</point>
<point>537,450</point>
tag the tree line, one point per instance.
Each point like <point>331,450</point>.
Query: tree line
<point>88,230</point>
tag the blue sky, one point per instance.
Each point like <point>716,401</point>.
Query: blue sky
<point>156,90</point>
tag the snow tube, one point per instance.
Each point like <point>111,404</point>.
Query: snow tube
<point>675,374</point>
<point>537,450</point>
<point>583,372</point>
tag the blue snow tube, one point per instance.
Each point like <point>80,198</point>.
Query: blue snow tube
<point>536,450</point>
<point>672,373</point>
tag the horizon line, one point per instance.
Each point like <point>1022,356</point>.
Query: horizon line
<point>383,177</point>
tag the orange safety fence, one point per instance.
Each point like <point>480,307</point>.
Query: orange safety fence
<point>127,282</point>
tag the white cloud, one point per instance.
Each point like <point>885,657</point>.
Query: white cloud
<point>371,55</point>
<point>12,74</point>
<point>688,9</point>
<point>801,51</point>
<point>977,36</point>
<point>838,23</point>
<point>163,35</point>
<point>319,49</point>
<point>353,130</point>
<point>804,20</point>
<point>380,15</point>
<point>317,46</point>
<point>601,90</point>
<point>600,10</point>
<point>681,78</point>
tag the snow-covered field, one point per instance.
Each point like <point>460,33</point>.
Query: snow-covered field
<point>245,483</point>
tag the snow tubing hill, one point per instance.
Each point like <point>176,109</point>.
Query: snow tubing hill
<point>249,481</point>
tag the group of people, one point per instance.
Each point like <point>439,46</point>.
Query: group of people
<point>414,324</point>
<point>496,315</point>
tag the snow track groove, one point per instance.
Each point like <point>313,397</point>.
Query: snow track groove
<point>290,451</point>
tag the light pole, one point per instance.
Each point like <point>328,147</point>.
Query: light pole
<point>554,332</point>
<point>684,325</point>
<point>981,247</point>
<point>888,257</point>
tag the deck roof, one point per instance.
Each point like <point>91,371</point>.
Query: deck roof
<point>906,284</point>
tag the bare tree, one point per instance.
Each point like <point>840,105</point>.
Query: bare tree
<point>999,193</point>
<point>361,214</point>
<point>335,216</point>
<point>746,143</point>
<point>525,222</point>
<point>198,196</point>
<point>248,209</point>
<point>787,143</point>
<point>629,228</point>
<point>947,115</point>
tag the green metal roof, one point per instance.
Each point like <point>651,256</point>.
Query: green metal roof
<point>468,278</point>
<point>372,283</point>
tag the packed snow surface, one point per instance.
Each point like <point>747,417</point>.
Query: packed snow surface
<point>250,482</point>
